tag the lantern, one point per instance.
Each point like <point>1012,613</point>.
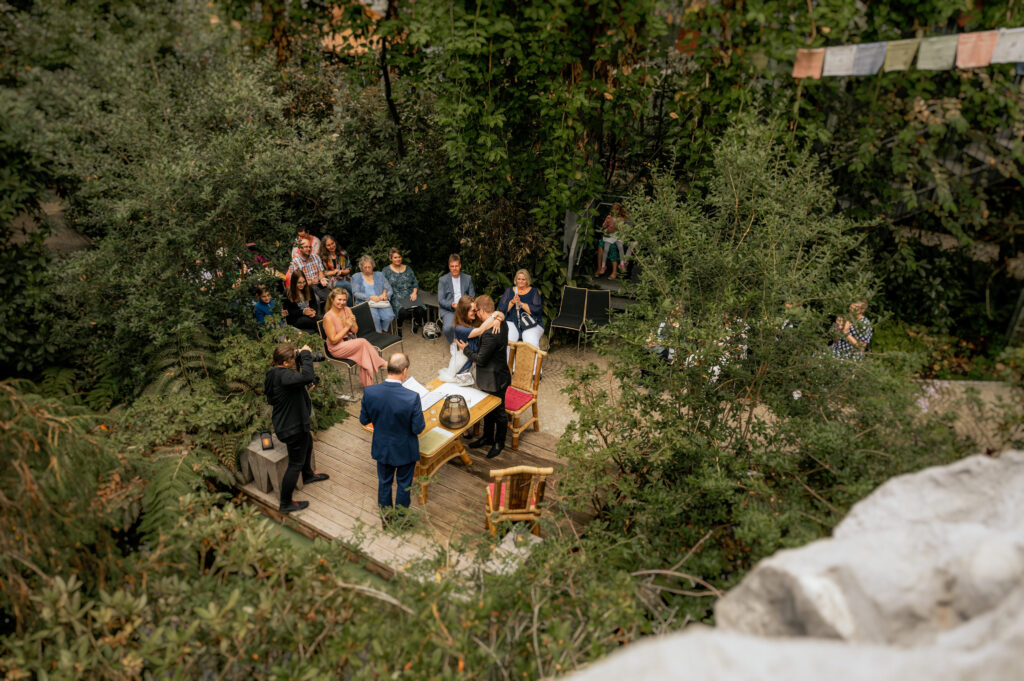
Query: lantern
<point>454,413</point>
<point>267,440</point>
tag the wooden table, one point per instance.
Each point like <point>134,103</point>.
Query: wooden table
<point>431,460</point>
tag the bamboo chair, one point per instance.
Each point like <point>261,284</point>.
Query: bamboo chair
<point>516,494</point>
<point>338,362</point>
<point>524,361</point>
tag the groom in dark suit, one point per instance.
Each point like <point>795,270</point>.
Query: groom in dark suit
<point>492,376</point>
<point>397,420</point>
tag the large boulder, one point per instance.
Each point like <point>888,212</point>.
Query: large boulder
<point>922,554</point>
<point>924,579</point>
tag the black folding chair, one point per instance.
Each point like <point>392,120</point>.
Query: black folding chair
<point>337,362</point>
<point>572,312</point>
<point>381,341</point>
<point>599,303</point>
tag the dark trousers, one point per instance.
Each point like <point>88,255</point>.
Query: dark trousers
<point>496,421</point>
<point>385,475</point>
<point>300,456</point>
<point>418,313</point>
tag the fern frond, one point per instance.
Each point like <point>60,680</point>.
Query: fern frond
<point>170,476</point>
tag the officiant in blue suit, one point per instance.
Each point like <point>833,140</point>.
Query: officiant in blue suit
<point>397,419</point>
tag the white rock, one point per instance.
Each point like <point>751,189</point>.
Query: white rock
<point>924,579</point>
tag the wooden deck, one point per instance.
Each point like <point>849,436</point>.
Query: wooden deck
<point>345,507</point>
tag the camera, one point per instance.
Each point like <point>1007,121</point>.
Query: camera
<point>317,357</point>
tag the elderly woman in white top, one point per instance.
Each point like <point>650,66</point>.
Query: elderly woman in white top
<point>373,287</point>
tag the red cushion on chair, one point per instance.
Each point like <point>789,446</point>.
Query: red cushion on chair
<point>501,502</point>
<point>516,399</point>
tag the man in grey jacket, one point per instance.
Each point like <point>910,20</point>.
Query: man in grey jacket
<point>449,290</point>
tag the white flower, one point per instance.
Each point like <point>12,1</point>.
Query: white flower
<point>797,394</point>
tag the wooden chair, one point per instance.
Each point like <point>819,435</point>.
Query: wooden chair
<point>381,341</point>
<point>524,361</point>
<point>516,494</point>
<point>572,312</point>
<point>338,362</point>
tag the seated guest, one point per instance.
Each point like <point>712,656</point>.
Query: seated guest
<point>340,330</point>
<point>263,307</point>
<point>449,290</point>
<point>303,235</point>
<point>336,264</point>
<point>298,304</point>
<point>310,264</point>
<point>853,338</point>
<point>516,303</point>
<point>372,287</point>
<point>404,302</point>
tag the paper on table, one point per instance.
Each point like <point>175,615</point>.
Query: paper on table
<point>975,49</point>
<point>472,395</point>
<point>937,54</point>
<point>1010,46</point>
<point>433,438</point>
<point>412,384</point>
<point>430,399</point>
<point>899,54</point>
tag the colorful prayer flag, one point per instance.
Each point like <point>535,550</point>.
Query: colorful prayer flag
<point>975,49</point>
<point>839,60</point>
<point>808,63</point>
<point>899,54</point>
<point>868,58</point>
<point>937,54</point>
<point>1010,46</point>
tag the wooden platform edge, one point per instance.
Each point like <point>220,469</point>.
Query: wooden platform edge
<point>309,531</point>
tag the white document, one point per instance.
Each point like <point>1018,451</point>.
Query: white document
<point>471,395</point>
<point>431,398</point>
<point>412,384</point>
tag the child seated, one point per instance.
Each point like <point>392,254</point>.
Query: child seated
<point>262,308</point>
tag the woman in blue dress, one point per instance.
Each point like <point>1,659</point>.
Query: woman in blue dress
<point>373,287</point>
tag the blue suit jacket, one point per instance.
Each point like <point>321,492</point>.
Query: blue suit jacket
<point>397,420</point>
<point>446,290</point>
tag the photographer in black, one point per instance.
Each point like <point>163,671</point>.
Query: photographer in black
<point>286,388</point>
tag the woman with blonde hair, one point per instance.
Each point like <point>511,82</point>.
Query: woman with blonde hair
<point>340,329</point>
<point>524,311</point>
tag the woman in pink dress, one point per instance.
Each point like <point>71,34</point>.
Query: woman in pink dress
<point>340,328</point>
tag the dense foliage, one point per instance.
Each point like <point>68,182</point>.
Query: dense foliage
<point>751,436</point>
<point>178,133</point>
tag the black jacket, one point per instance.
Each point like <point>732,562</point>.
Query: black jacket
<point>492,374</point>
<point>286,393</point>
